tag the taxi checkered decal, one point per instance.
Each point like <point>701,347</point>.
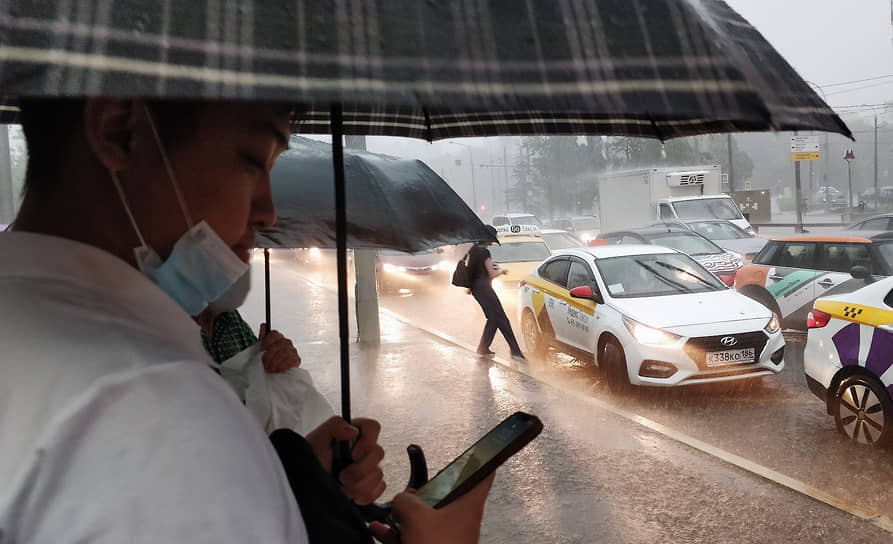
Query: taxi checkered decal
<point>851,312</point>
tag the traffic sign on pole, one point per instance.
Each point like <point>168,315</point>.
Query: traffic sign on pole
<point>805,148</point>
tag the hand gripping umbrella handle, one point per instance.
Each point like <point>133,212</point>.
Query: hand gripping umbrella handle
<point>418,476</point>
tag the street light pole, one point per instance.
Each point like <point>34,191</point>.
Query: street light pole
<point>474,190</point>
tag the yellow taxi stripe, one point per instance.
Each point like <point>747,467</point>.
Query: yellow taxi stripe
<point>857,313</point>
<point>585,306</point>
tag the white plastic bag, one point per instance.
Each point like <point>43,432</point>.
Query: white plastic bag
<point>244,372</point>
<point>286,400</point>
<point>296,403</point>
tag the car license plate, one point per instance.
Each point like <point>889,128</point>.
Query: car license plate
<point>730,357</point>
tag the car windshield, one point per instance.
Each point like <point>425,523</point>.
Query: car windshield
<point>526,220</point>
<point>718,230</point>
<point>515,252</point>
<point>585,223</point>
<point>885,254</point>
<point>561,240</point>
<point>686,242</point>
<point>635,276</point>
<point>707,208</point>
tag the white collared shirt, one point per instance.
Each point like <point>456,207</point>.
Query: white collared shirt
<point>112,426</point>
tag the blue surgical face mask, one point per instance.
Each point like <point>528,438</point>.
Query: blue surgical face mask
<point>201,271</point>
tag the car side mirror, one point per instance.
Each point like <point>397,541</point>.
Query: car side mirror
<point>585,292</point>
<point>860,272</point>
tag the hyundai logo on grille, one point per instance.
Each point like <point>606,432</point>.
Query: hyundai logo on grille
<point>728,341</point>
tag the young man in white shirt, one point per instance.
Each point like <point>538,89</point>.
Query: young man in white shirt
<point>113,427</point>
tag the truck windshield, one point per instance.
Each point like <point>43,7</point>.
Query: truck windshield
<point>636,276</point>
<point>707,208</point>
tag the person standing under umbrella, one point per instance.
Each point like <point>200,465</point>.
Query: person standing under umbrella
<point>481,270</point>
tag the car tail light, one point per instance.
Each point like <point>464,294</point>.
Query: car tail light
<point>728,279</point>
<point>817,319</point>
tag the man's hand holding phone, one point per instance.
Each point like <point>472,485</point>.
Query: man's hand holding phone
<point>457,522</point>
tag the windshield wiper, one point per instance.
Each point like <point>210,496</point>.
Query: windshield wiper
<point>661,277</point>
<point>686,272</point>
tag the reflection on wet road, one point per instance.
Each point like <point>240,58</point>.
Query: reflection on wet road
<point>592,476</point>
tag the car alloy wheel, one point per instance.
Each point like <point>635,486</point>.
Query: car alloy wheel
<point>863,410</point>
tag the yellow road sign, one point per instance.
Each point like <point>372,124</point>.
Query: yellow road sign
<point>805,156</point>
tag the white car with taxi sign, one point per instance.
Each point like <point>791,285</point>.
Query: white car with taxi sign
<point>848,359</point>
<point>649,315</point>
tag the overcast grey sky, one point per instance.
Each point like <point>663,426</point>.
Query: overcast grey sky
<point>830,41</point>
<point>826,41</point>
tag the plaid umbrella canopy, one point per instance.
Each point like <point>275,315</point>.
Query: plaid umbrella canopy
<point>432,70</point>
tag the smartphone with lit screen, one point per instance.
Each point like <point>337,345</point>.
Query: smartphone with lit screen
<point>478,461</point>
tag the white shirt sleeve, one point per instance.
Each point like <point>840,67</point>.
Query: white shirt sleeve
<point>161,454</point>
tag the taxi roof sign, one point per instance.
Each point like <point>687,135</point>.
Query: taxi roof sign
<point>518,230</point>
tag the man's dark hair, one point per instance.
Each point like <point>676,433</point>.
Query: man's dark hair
<point>49,125</point>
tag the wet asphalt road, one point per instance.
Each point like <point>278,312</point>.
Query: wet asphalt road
<point>592,476</point>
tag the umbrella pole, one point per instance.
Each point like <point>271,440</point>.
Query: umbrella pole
<point>267,283</point>
<point>341,244</point>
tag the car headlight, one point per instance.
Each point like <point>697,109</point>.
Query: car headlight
<point>649,335</point>
<point>393,269</point>
<point>751,231</point>
<point>773,325</point>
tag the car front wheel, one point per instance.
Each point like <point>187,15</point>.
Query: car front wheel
<point>863,411</point>
<point>613,362</point>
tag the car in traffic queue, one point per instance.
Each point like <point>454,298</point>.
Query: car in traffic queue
<point>649,315</point>
<point>517,218</point>
<point>722,262</point>
<point>791,272</point>
<point>725,234</point>
<point>848,360</point>
<point>560,239</point>
<point>521,248</point>
<point>400,272</point>
<point>875,224</point>
<point>584,227</point>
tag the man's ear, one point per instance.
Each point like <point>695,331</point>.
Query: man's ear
<point>109,126</point>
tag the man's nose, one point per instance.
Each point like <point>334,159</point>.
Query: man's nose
<point>263,210</point>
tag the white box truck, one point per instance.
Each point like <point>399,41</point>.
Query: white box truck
<point>641,197</point>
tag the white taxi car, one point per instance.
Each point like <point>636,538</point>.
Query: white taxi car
<point>848,360</point>
<point>650,315</point>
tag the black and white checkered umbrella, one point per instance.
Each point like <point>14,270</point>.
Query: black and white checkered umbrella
<point>432,70</point>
